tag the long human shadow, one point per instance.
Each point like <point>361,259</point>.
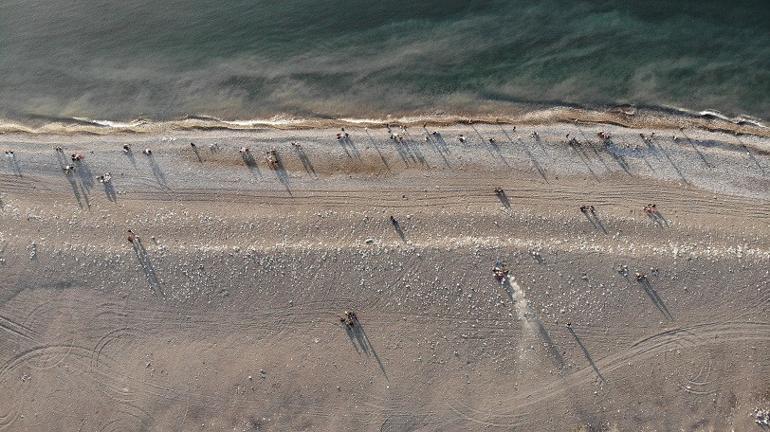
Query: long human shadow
<point>596,152</point>
<point>72,180</point>
<point>147,268</point>
<point>657,217</point>
<point>362,344</point>
<point>532,158</point>
<point>752,157</point>
<point>414,148</point>
<point>302,156</point>
<point>503,197</point>
<point>397,143</point>
<point>436,147</point>
<point>376,147</point>
<point>537,140</point>
<point>583,158</point>
<point>594,219</point>
<point>83,172</point>
<point>130,155</point>
<point>401,153</point>
<point>668,157</point>
<point>109,191</point>
<point>349,147</point>
<point>197,153</point>
<point>620,160</point>
<point>15,166</point>
<point>250,162</point>
<point>280,172</point>
<point>697,150</point>
<point>160,177</point>
<point>586,354</point>
<point>495,149</point>
<point>655,298</point>
<point>440,142</point>
<point>397,227</point>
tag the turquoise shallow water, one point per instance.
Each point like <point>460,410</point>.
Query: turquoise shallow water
<point>165,59</point>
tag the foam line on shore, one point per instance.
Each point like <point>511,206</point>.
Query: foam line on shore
<point>672,118</point>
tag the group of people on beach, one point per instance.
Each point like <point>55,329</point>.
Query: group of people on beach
<point>349,319</point>
<point>650,209</point>
<point>500,271</point>
<point>342,135</point>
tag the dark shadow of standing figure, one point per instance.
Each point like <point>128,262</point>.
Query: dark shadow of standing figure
<point>69,171</point>
<point>144,261</point>
<point>304,159</point>
<point>590,213</point>
<point>250,162</point>
<point>653,296</point>
<point>359,338</point>
<point>160,177</point>
<point>109,191</point>
<point>586,353</point>
<point>397,227</point>
<point>275,162</point>
<point>503,197</point>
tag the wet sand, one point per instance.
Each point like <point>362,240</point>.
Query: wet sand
<point>225,315</point>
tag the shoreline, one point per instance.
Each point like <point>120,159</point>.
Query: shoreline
<point>623,116</point>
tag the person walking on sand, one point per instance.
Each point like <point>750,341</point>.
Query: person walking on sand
<point>147,152</point>
<point>126,149</point>
<point>132,237</point>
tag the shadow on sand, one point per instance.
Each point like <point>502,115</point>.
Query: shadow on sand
<point>160,177</point>
<point>586,354</point>
<point>524,147</point>
<point>109,191</point>
<point>305,160</point>
<point>280,170</point>
<point>250,162</point>
<point>592,217</point>
<point>397,227</point>
<point>81,197</point>
<point>147,268</point>
<point>657,217</point>
<point>697,150</point>
<point>495,149</point>
<point>659,147</point>
<point>503,197</point>
<point>362,344</point>
<point>376,147</point>
<point>655,298</point>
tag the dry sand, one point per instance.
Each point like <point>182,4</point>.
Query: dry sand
<point>225,316</point>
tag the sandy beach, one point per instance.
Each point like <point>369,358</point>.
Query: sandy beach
<point>225,314</point>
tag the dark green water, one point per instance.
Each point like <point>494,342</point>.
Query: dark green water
<point>163,59</point>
